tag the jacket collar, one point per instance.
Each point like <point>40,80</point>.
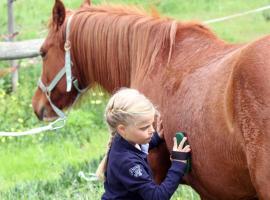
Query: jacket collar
<point>120,143</point>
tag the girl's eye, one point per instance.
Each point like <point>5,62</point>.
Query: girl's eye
<point>144,128</point>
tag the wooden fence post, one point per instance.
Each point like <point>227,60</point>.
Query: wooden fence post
<point>13,63</point>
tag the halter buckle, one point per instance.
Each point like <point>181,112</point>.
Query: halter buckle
<point>48,93</point>
<point>67,45</point>
<point>57,124</point>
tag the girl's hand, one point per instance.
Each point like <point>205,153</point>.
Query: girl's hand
<point>180,147</point>
<point>159,128</point>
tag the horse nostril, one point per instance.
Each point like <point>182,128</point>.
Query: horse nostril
<point>40,114</point>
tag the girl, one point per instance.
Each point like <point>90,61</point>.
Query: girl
<point>130,116</point>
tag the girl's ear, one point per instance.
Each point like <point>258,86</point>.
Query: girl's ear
<point>121,129</point>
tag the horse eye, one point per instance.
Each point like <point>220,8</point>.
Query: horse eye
<point>42,54</point>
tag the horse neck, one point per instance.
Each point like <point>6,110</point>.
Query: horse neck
<point>97,56</point>
<point>113,49</point>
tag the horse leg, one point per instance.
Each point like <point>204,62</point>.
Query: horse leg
<point>159,160</point>
<point>259,165</point>
<point>257,144</point>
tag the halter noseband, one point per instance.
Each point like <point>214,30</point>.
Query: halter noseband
<point>65,70</point>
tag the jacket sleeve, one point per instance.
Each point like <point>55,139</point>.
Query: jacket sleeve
<point>155,141</point>
<point>136,179</point>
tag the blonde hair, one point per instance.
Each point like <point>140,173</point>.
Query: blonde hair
<point>125,107</point>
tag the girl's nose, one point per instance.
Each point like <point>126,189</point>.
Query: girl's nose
<point>151,129</point>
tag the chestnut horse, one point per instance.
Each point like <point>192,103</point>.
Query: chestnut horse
<point>216,92</point>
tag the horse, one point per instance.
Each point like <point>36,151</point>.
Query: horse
<point>217,92</point>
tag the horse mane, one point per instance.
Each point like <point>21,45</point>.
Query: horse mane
<point>118,39</point>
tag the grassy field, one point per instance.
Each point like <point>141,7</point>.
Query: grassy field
<point>46,166</point>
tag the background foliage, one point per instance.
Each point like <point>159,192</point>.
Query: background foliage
<point>46,166</point>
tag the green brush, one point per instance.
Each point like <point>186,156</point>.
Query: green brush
<point>179,136</point>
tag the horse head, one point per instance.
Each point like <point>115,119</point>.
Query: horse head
<point>58,86</point>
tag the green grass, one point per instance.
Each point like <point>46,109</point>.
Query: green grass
<point>46,166</point>
<point>45,161</point>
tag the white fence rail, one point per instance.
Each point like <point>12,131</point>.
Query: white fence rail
<point>19,50</point>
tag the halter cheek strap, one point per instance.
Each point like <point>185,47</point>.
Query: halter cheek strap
<point>67,56</point>
<point>65,70</point>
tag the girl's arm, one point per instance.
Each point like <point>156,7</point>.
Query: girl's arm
<point>136,177</point>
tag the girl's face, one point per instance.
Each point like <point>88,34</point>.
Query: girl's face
<point>140,132</point>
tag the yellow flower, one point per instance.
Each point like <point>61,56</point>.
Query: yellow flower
<point>98,101</point>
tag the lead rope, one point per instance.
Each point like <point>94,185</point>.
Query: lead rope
<point>57,124</point>
<point>91,178</point>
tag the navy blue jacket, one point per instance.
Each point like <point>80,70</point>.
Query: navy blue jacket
<point>128,175</point>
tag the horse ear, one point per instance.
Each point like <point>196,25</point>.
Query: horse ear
<point>59,13</point>
<point>86,3</point>
<point>154,12</point>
